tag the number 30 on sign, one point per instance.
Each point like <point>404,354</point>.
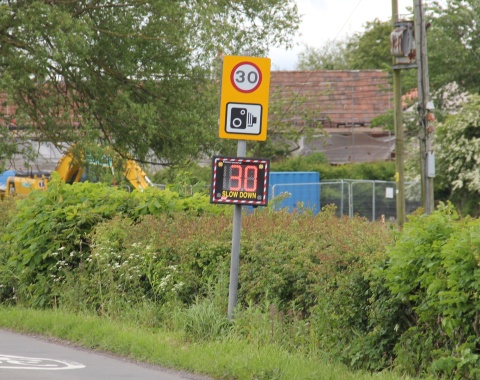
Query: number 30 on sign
<point>246,77</point>
<point>240,181</point>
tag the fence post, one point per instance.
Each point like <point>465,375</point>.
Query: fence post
<point>341,200</point>
<point>374,187</point>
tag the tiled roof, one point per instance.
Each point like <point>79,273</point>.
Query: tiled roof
<point>345,102</point>
<point>336,97</point>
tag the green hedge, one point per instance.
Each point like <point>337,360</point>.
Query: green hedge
<point>361,292</point>
<point>50,232</point>
<point>380,171</point>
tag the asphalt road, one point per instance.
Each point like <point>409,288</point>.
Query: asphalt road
<point>24,357</point>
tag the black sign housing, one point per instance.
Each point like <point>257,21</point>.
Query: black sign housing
<point>239,180</point>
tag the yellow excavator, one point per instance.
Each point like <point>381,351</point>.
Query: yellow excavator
<point>70,171</point>
<point>24,183</point>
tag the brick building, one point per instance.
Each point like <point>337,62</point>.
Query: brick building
<point>344,102</point>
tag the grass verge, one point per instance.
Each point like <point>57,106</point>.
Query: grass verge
<point>226,358</point>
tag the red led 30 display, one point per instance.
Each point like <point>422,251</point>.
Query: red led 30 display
<point>237,180</point>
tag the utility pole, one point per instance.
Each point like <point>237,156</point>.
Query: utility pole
<point>399,139</point>
<point>427,161</point>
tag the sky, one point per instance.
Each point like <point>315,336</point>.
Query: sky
<point>325,20</point>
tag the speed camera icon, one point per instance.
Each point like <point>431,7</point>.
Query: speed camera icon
<point>243,118</point>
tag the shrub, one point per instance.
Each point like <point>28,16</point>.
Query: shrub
<point>292,260</point>
<point>317,163</point>
<point>7,212</point>
<point>50,233</point>
<point>433,270</point>
<point>161,259</point>
<point>314,269</point>
<point>345,286</point>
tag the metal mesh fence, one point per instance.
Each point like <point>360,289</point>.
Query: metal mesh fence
<point>373,200</point>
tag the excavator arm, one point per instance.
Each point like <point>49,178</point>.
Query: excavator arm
<point>136,176</point>
<point>69,170</point>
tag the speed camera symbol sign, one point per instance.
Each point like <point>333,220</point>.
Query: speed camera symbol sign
<point>246,77</point>
<point>244,99</point>
<point>244,118</point>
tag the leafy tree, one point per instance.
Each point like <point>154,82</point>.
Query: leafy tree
<point>457,147</point>
<point>7,146</point>
<point>138,75</point>
<point>371,48</point>
<point>454,44</point>
<point>331,56</point>
<point>366,50</point>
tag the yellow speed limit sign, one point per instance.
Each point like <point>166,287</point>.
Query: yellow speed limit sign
<point>244,99</point>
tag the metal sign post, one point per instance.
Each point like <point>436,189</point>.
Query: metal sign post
<point>235,256</point>
<point>243,116</point>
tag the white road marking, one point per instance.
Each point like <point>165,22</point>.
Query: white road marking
<point>21,362</point>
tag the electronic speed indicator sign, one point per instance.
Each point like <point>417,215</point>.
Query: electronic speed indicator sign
<point>237,180</point>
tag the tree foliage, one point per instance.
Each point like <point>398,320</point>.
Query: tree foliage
<point>138,75</point>
<point>457,143</point>
<point>56,222</point>
<point>454,44</point>
<point>291,122</point>
<point>371,48</point>
<point>366,50</point>
<point>433,270</point>
<point>330,56</point>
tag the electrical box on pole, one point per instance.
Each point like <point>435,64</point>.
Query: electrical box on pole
<point>402,45</point>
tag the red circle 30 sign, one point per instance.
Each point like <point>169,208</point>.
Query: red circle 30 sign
<point>246,77</point>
